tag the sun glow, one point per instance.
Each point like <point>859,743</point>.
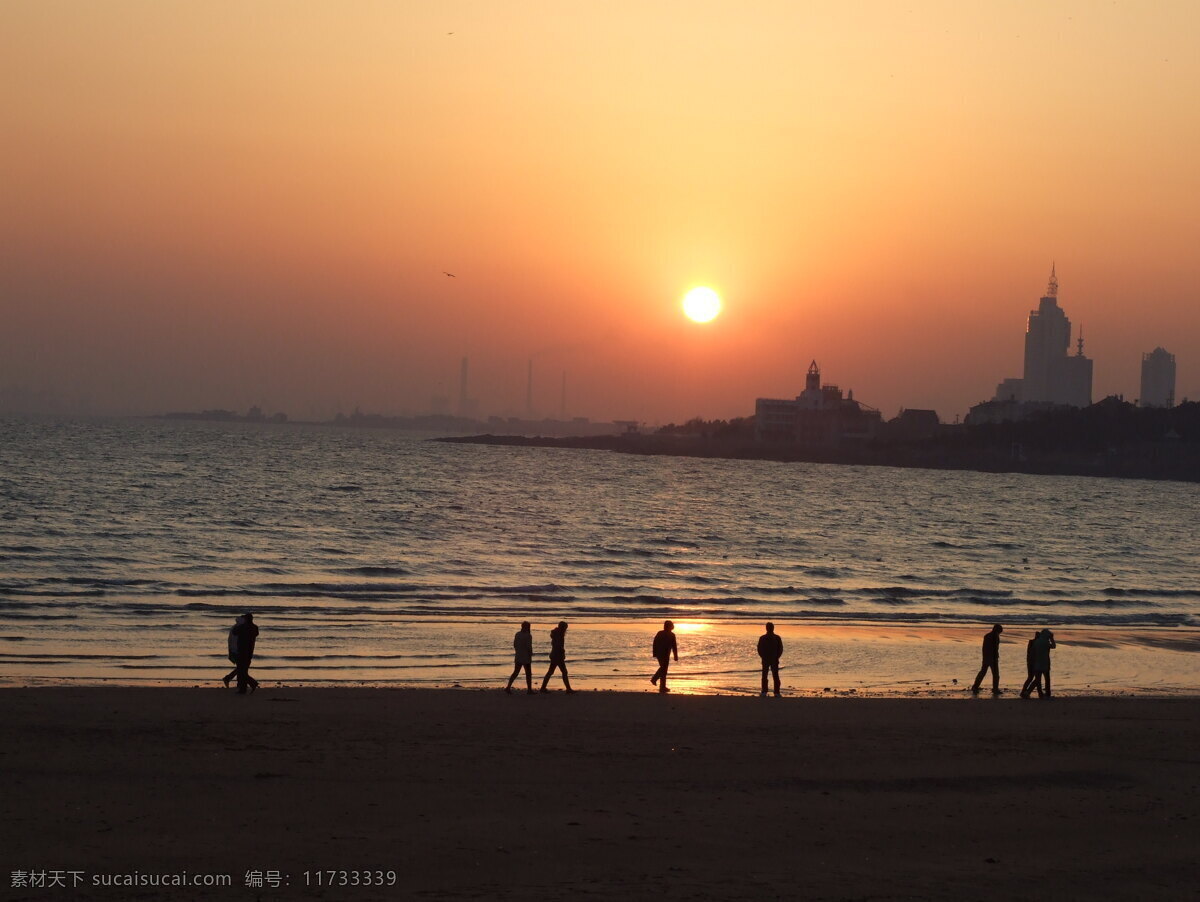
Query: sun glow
<point>701,305</point>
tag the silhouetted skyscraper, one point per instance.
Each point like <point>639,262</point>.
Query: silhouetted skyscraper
<point>1050,375</point>
<point>1158,379</point>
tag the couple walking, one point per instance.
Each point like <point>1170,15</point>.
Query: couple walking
<point>1037,663</point>
<point>242,637</point>
<point>523,658</point>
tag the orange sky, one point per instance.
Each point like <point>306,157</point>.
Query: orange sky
<point>219,204</point>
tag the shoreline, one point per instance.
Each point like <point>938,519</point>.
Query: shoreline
<point>893,694</point>
<point>1168,464</point>
<point>602,795</point>
<point>717,657</point>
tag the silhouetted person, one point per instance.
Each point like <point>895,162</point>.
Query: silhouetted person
<point>991,659</point>
<point>770,649</point>
<point>247,634</point>
<point>1042,643</point>
<point>523,646</point>
<point>664,646</point>
<point>558,656</point>
<point>233,647</point>
<point>1033,679</point>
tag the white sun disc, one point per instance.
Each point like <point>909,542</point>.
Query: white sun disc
<point>701,305</point>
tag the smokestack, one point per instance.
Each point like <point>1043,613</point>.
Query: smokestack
<point>462,389</point>
<point>562,409</point>
<point>529,392</point>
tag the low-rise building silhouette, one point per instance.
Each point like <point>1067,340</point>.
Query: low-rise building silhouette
<point>818,416</point>
<point>913,425</point>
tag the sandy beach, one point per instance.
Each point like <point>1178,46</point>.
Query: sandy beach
<point>475,794</point>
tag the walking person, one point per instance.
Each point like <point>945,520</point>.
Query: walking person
<point>770,649</point>
<point>1033,679</point>
<point>991,659</point>
<point>558,656</point>
<point>1042,643</point>
<point>247,636</point>
<point>523,647</point>
<point>233,647</point>
<point>664,646</point>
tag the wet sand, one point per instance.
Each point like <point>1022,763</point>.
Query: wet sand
<point>475,794</point>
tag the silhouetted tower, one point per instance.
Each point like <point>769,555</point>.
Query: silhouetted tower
<point>1158,379</point>
<point>1050,375</point>
<point>562,407</point>
<point>812,382</point>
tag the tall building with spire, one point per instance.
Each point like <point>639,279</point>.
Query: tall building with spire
<point>1158,379</point>
<point>1051,376</point>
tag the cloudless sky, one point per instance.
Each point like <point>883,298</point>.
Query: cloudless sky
<point>219,204</point>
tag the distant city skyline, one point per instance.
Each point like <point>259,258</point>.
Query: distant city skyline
<point>208,210</point>
<point>1057,378</point>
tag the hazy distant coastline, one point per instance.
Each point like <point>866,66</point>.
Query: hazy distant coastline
<point>1165,460</point>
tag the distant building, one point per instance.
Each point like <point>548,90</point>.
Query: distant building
<point>818,416</point>
<point>1009,390</point>
<point>1158,379</point>
<point>1050,375</point>
<point>1005,411</point>
<point>913,425</point>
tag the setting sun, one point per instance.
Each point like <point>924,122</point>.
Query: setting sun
<point>701,305</point>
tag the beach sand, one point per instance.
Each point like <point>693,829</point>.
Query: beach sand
<point>598,795</point>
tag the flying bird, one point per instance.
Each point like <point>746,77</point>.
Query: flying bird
<point>450,274</point>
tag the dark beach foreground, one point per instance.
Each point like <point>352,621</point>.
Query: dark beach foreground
<point>475,794</point>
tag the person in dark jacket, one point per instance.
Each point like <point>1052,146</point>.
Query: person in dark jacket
<point>558,656</point>
<point>523,658</point>
<point>1033,679</point>
<point>247,634</point>
<point>1042,643</point>
<point>770,649</point>
<point>233,647</point>
<point>991,659</point>
<point>664,646</point>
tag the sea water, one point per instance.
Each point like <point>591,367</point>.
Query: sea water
<point>128,547</point>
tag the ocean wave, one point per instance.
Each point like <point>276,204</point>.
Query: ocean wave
<point>1156,593</point>
<point>81,657</point>
<point>51,593</point>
